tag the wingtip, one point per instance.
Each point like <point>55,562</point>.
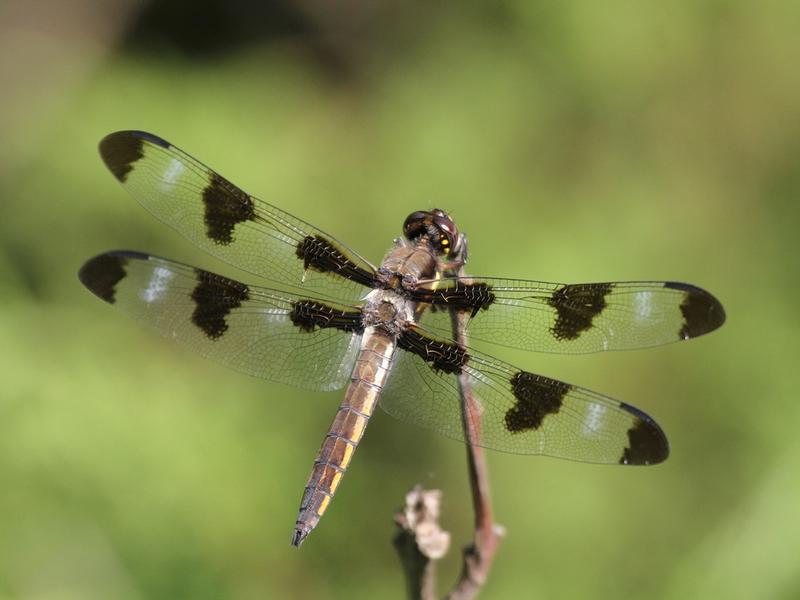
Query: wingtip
<point>137,134</point>
<point>101,274</point>
<point>120,150</point>
<point>717,311</point>
<point>702,311</point>
<point>647,442</point>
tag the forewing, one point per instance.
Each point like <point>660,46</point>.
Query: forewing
<point>226,221</point>
<point>571,318</point>
<point>522,413</point>
<point>290,339</point>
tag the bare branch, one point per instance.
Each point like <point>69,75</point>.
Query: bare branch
<point>420,541</point>
<point>479,555</point>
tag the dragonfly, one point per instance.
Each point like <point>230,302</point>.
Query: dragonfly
<point>331,319</point>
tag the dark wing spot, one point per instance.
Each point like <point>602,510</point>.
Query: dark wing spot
<point>537,397</point>
<point>215,297</point>
<point>461,296</point>
<point>443,356</point>
<point>225,206</point>
<point>321,255</point>
<point>308,315</point>
<point>701,311</point>
<point>149,137</point>
<point>102,273</point>
<point>647,444</point>
<point>577,305</point>
<point>119,151</point>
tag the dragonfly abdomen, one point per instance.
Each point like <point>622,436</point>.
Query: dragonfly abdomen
<point>369,375</point>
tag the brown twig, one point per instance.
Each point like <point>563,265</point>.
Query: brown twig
<point>419,520</point>
<point>479,555</point>
<point>420,541</point>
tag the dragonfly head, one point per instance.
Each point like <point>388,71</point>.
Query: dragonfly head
<point>440,231</point>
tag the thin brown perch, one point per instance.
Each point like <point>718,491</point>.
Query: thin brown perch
<point>413,544</point>
<point>479,555</point>
<point>420,541</point>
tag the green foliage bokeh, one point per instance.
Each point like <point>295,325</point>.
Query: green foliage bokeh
<point>586,142</point>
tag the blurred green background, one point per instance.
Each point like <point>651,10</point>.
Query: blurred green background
<point>578,141</point>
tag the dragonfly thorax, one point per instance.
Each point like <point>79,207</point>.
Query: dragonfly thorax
<point>388,310</point>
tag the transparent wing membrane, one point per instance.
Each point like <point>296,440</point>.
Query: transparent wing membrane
<point>227,222</point>
<point>572,318</point>
<point>254,330</point>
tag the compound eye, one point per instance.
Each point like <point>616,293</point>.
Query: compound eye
<point>445,223</point>
<point>448,234</point>
<point>416,224</point>
<point>447,227</point>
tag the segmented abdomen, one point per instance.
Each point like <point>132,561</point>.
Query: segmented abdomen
<point>368,378</point>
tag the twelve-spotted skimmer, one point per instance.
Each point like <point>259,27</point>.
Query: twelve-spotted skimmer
<point>384,332</point>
